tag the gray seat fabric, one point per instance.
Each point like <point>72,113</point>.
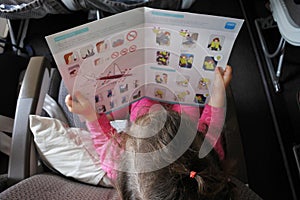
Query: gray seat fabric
<point>54,187</point>
<point>22,9</point>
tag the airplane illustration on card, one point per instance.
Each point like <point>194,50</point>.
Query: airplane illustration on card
<point>115,73</point>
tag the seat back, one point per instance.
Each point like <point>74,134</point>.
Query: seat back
<point>11,70</point>
<point>23,159</point>
<point>42,93</point>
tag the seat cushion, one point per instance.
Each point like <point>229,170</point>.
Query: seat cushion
<point>54,187</point>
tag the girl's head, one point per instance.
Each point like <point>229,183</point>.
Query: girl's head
<point>160,135</point>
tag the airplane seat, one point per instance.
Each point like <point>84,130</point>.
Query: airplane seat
<point>11,75</point>
<point>28,177</point>
<point>285,15</point>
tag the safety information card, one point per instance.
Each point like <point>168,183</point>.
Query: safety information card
<point>168,56</point>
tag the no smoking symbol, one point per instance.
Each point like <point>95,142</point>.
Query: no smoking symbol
<point>131,35</point>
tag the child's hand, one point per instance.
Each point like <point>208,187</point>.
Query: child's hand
<point>222,80</point>
<point>81,106</point>
<point>223,76</point>
<point>227,75</point>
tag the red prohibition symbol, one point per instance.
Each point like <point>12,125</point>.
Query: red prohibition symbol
<point>131,35</point>
<point>114,55</point>
<point>124,51</point>
<point>132,48</point>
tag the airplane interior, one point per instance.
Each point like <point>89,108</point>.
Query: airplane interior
<point>262,127</point>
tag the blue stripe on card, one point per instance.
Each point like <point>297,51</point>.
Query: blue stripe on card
<point>72,34</point>
<point>164,14</point>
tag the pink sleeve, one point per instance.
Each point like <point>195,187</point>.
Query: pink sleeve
<point>107,144</point>
<point>192,111</point>
<point>211,122</point>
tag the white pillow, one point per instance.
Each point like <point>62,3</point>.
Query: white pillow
<point>70,151</point>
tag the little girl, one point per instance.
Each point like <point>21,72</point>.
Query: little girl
<point>165,153</point>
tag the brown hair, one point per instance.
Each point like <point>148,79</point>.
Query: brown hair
<point>171,181</point>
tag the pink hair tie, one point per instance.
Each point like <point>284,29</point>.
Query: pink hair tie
<point>193,174</point>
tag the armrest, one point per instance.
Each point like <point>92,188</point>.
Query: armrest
<point>6,126</point>
<point>23,162</point>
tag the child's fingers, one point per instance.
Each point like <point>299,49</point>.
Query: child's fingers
<point>227,76</point>
<point>228,70</point>
<point>218,82</point>
<point>68,100</point>
<point>223,75</point>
